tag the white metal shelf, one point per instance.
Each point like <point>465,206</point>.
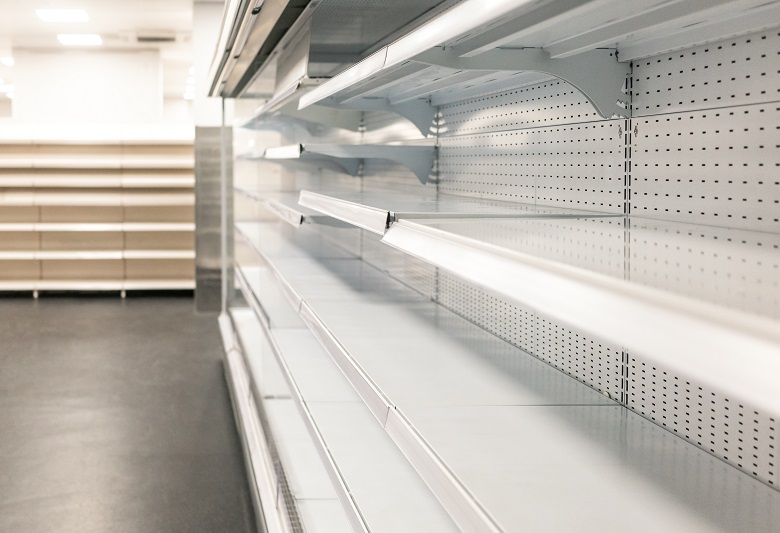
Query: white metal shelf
<point>481,420</point>
<point>417,158</point>
<point>283,205</point>
<point>376,210</point>
<point>337,421</point>
<point>513,259</point>
<point>522,43</point>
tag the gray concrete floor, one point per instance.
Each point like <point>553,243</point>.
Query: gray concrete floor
<point>115,417</point>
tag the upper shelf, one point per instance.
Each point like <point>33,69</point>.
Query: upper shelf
<point>375,211</point>
<point>580,42</point>
<point>418,159</point>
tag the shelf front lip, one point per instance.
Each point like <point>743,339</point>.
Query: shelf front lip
<point>678,332</point>
<point>369,218</point>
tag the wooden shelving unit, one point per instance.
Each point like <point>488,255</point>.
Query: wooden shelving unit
<point>114,215</point>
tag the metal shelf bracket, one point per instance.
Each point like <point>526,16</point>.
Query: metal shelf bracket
<point>597,74</point>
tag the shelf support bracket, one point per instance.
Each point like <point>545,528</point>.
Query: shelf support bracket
<point>597,74</point>
<point>419,112</point>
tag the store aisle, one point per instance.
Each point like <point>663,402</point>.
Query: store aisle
<point>115,416</point>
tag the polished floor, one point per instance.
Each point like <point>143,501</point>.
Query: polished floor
<point>115,417</point>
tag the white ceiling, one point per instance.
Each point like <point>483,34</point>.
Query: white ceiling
<point>119,22</point>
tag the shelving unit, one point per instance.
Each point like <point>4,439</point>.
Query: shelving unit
<point>87,215</point>
<point>439,352</point>
<point>566,316</point>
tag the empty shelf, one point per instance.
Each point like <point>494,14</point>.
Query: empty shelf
<point>95,199</point>
<point>283,205</point>
<point>575,271</point>
<point>483,421</point>
<point>375,211</point>
<point>417,158</point>
<point>378,489</point>
<point>465,50</point>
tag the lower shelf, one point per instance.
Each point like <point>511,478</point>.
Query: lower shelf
<point>503,440</point>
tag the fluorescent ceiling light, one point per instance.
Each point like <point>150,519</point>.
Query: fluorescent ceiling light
<point>62,15</point>
<point>80,39</point>
<point>8,61</point>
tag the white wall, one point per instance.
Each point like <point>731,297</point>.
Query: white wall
<point>88,86</point>
<point>206,24</point>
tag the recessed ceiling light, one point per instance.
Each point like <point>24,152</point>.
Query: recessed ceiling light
<point>8,61</point>
<point>80,39</point>
<point>62,15</point>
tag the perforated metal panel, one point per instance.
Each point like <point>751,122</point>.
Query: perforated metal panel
<point>716,167</point>
<point>733,268</point>
<point>554,102</point>
<point>723,426</point>
<point>727,73</point>
<point>578,166</point>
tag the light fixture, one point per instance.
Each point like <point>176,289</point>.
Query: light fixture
<point>62,15</point>
<point>79,39</point>
<point>8,61</point>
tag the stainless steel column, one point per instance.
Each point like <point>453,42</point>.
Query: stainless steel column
<point>208,205</point>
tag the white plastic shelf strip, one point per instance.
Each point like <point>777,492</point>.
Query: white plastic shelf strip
<point>454,388</point>
<point>679,332</point>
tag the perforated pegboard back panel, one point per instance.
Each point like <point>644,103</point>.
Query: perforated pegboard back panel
<point>726,427</point>
<point>734,72</point>
<point>549,103</point>
<point>717,167</point>
<point>577,166</point>
<point>733,268</point>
